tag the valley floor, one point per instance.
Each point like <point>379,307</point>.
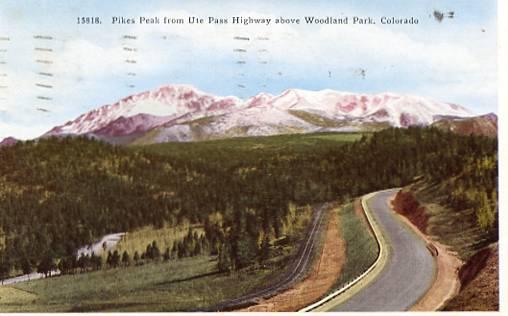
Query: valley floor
<point>176,286</point>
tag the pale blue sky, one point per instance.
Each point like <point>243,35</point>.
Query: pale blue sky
<point>452,61</point>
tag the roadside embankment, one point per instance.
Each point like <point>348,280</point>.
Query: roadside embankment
<point>479,283</point>
<point>325,271</point>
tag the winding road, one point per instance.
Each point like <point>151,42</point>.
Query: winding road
<point>407,275</point>
<point>409,271</point>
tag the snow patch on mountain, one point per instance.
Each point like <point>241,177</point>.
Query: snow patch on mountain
<point>168,102</point>
<point>184,113</point>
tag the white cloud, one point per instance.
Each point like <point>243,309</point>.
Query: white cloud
<point>22,132</point>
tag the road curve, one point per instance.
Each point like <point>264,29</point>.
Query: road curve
<point>409,271</point>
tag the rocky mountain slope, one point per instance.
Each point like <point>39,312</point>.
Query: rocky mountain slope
<point>184,113</point>
<point>485,125</point>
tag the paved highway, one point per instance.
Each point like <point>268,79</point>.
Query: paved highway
<point>409,271</point>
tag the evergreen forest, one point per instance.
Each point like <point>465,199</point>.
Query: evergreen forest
<point>58,194</point>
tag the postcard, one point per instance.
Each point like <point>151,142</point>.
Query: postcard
<point>249,156</point>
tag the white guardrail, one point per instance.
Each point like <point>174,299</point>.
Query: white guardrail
<point>377,235</point>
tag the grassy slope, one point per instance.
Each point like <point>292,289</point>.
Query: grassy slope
<point>179,285</point>
<point>274,143</point>
<point>268,144</point>
<point>12,299</point>
<point>361,247</point>
<point>325,122</point>
<point>315,119</point>
<point>456,229</point>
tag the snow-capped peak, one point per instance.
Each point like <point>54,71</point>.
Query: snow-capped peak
<point>399,110</point>
<point>167,102</point>
<point>291,110</point>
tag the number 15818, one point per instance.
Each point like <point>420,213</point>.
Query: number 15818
<point>89,20</point>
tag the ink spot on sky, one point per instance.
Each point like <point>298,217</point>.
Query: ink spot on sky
<point>361,72</point>
<point>439,16</point>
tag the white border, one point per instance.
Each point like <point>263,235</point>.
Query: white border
<point>502,69</point>
<point>502,31</point>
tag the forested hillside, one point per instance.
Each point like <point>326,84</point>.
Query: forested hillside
<point>57,194</point>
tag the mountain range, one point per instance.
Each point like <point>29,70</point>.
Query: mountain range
<point>184,113</point>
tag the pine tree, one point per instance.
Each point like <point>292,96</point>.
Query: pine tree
<point>265,249</point>
<point>485,213</point>
<point>26,266</point>
<point>109,259</point>
<point>197,249</point>
<point>155,252</point>
<point>246,251</point>
<point>126,260</point>
<point>174,250</point>
<point>224,260</point>
<point>5,266</point>
<point>96,262</point>
<point>167,255</point>
<point>83,262</point>
<point>148,252</point>
<point>181,250</point>
<point>115,259</point>
<point>46,265</point>
<point>136,257</point>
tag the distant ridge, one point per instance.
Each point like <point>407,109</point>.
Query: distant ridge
<point>485,125</point>
<point>184,113</point>
<point>8,141</point>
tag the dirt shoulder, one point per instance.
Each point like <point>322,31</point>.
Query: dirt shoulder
<point>325,271</point>
<point>446,282</point>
